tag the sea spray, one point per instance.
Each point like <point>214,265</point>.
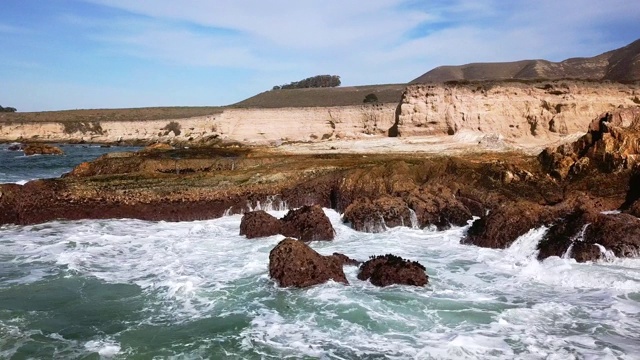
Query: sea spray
<point>131,288</point>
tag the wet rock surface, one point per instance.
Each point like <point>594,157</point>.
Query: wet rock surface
<point>42,149</point>
<point>259,223</point>
<point>345,260</point>
<point>502,226</point>
<point>510,192</point>
<point>292,263</point>
<point>389,269</point>
<point>376,216</point>
<point>308,223</point>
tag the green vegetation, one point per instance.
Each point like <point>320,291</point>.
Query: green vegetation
<point>370,98</point>
<point>318,81</point>
<point>7,109</point>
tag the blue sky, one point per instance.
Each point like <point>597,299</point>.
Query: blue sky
<point>68,54</point>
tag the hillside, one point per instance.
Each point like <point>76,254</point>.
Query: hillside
<point>622,65</point>
<point>323,97</point>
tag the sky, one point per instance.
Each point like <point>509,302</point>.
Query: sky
<point>76,54</point>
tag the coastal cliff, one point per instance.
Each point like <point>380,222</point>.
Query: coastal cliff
<point>258,126</point>
<point>532,112</point>
<point>542,111</point>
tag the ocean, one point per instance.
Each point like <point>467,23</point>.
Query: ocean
<point>131,289</point>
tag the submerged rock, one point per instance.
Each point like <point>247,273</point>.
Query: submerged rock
<point>308,223</point>
<point>42,149</point>
<point>292,263</point>
<point>390,269</point>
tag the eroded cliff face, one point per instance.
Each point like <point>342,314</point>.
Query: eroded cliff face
<point>535,114</point>
<point>254,126</point>
<point>542,111</point>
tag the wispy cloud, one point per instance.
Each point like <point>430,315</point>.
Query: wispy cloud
<point>10,29</point>
<point>230,50</point>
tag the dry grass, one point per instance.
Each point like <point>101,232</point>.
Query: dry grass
<point>323,97</point>
<point>97,115</point>
<point>318,97</point>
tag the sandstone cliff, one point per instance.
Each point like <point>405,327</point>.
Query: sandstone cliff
<point>252,125</point>
<point>542,111</point>
<point>534,114</point>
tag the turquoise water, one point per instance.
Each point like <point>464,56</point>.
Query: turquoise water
<point>131,289</point>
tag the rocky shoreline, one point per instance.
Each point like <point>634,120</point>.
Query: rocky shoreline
<point>586,192</point>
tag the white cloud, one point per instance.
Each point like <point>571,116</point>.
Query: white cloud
<point>377,41</point>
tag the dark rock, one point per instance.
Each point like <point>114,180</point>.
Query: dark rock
<point>390,269</point>
<point>502,226</point>
<point>308,223</point>
<point>585,228</point>
<point>42,149</point>
<point>256,224</point>
<point>345,260</point>
<point>16,147</point>
<point>566,232</point>
<point>376,216</point>
<point>619,233</point>
<point>292,263</point>
<point>438,206</point>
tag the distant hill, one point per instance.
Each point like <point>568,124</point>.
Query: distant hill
<point>322,97</point>
<point>621,65</point>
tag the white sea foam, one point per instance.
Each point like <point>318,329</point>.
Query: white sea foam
<point>480,303</point>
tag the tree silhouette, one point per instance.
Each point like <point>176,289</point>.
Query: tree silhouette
<point>317,81</point>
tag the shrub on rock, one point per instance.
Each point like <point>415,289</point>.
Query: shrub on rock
<point>389,269</point>
<point>292,263</point>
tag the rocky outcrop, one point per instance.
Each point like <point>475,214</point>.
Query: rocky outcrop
<point>308,223</point>
<point>611,144</point>
<point>502,226</point>
<point>42,149</point>
<point>378,215</point>
<point>292,263</point>
<point>390,269</point>
<point>423,206</point>
<point>259,223</point>
<point>588,235</point>
<point>603,165</point>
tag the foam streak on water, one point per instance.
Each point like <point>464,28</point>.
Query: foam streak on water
<point>129,288</point>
